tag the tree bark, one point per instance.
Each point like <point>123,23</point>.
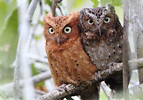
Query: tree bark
<point>125,68</point>
<point>137,23</point>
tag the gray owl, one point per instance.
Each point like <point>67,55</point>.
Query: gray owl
<point>102,39</point>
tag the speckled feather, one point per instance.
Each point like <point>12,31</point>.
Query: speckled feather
<point>103,41</point>
<point>68,62</point>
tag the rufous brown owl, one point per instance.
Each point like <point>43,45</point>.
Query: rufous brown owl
<point>69,64</point>
<point>102,39</point>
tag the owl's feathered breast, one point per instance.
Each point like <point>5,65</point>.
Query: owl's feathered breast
<point>70,64</point>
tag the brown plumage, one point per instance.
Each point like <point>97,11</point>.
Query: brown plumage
<point>102,38</point>
<point>68,62</point>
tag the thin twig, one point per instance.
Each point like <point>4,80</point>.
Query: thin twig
<point>105,92</point>
<point>40,92</point>
<point>54,4</point>
<point>30,36</point>
<point>35,79</point>
<point>138,91</point>
<point>54,8</point>
<point>38,58</point>
<point>60,9</point>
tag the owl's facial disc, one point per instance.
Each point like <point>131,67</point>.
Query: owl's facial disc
<point>61,39</point>
<point>102,24</point>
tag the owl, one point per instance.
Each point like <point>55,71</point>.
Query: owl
<point>102,39</point>
<point>69,64</point>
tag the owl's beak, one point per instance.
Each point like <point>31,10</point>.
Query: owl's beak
<point>98,30</point>
<point>61,39</point>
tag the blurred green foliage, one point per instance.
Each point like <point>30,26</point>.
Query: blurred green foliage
<point>49,2</point>
<point>103,96</point>
<point>8,39</point>
<point>77,3</point>
<point>96,2</point>
<point>113,2</point>
<point>6,9</point>
<point>35,72</point>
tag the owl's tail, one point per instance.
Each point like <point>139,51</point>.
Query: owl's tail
<point>116,85</point>
<point>92,93</point>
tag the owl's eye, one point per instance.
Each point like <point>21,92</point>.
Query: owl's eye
<point>67,30</point>
<point>107,20</point>
<point>51,30</point>
<point>90,22</point>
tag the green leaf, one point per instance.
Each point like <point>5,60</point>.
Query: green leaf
<point>96,2</point>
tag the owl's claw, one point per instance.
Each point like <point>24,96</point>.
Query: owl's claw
<point>62,88</point>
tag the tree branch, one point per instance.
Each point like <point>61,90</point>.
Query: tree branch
<point>34,79</point>
<point>54,4</point>
<point>126,70</point>
<point>25,17</point>
<point>104,90</point>
<point>138,91</point>
<point>69,89</point>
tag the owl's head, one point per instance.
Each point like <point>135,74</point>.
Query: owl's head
<point>98,20</point>
<point>61,30</point>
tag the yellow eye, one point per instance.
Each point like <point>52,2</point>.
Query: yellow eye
<point>107,20</point>
<point>90,22</point>
<point>51,30</point>
<point>67,30</point>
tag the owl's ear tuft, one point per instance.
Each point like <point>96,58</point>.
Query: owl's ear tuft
<point>45,19</point>
<point>84,10</point>
<point>75,15</point>
<point>48,16</point>
<point>110,8</point>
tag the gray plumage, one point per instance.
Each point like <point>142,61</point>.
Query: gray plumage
<point>102,39</point>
